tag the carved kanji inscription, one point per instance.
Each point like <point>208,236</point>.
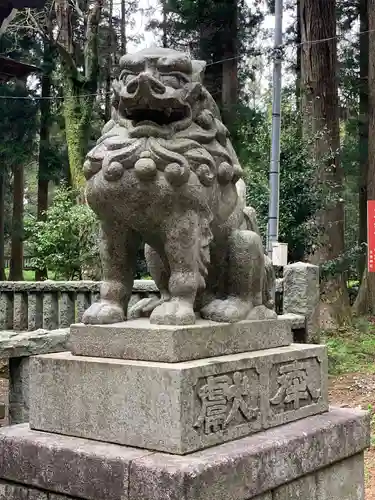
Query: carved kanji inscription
<point>227,400</point>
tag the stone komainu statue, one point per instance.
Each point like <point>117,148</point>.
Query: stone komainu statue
<point>164,172</point>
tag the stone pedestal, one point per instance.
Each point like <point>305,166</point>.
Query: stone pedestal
<point>207,413</point>
<point>181,407</point>
<point>317,458</point>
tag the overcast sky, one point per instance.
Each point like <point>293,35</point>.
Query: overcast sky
<point>148,37</point>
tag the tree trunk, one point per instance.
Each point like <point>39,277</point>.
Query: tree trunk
<point>164,35</point>
<point>318,22</point>
<point>16,257</point>
<point>77,114</point>
<point>230,68</point>
<point>299,57</point>
<point>363,129</point>
<point>79,90</point>
<point>2,220</point>
<point>44,144</point>
<point>365,303</point>
<point>108,82</point>
<point>123,27</point>
<point>306,97</point>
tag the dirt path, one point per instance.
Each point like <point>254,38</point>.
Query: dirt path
<point>357,390</point>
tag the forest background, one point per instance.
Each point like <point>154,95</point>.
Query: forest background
<point>51,119</point>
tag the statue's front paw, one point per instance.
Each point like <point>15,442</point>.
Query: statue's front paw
<point>174,312</point>
<point>103,313</point>
<point>229,310</point>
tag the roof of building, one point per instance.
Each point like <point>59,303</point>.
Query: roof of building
<point>9,68</point>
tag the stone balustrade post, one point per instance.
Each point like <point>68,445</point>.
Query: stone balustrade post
<point>6,311</point>
<point>67,309</point>
<point>50,311</point>
<point>35,311</point>
<point>302,296</point>
<point>20,311</point>
<point>18,390</point>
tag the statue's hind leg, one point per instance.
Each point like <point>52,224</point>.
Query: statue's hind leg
<point>246,273</point>
<point>160,275</point>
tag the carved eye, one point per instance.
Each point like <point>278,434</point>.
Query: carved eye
<point>126,76</point>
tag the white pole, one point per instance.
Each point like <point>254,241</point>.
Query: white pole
<point>274,178</point>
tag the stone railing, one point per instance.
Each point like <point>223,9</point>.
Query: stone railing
<point>35,319</point>
<point>29,306</point>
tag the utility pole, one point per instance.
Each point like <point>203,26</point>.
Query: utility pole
<point>274,177</point>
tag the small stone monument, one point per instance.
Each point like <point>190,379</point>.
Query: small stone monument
<point>201,394</point>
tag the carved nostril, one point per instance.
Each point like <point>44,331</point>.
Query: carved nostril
<point>157,87</point>
<point>132,86</point>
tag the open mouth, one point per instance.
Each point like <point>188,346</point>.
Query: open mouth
<point>160,117</point>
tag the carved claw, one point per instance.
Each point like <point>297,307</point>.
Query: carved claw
<point>144,307</point>
<point>174,312</point>
<point>103,313</point>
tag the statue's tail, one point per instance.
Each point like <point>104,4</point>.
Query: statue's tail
<point>269,280</point>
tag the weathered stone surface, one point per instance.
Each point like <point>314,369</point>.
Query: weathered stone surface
<point>164,171</point>
<point>20,301</point>
<point>18,390</point>
<point>297,320</point>
<point>240,470</point>
<point>68,466</point>
<point>303,488</point>
<point>139,339</point>
<point>168,406</point>
<point>302,296</point>
<point>253,465</point>
<point>342,481</point>
<point>35,311</point>
<point>14,345</point>
<point>9,491</point>
<point>53,496</point>
<point>66,309</point>
<point>6,311</point>
<point>139,286</point>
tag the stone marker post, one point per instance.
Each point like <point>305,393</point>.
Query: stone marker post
<point>200,394</point>
<point>302,296</point>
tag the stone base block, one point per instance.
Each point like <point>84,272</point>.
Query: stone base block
<point>176,407</point>
<point>139,339</point>
<point>318,458</point>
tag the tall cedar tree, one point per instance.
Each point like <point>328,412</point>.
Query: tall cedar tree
<point>319,83</point>
<point>365,303</point>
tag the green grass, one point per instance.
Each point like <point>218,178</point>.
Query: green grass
<point>27,275</point>
<point>351,349</point>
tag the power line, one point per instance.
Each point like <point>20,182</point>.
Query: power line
<point>294,44</point>
<point>267,51</point>
<point>40,98</point>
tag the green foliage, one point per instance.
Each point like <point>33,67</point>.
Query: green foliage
<point>209,30</point>
<point>18,126</point>
<point>351,349</point>
<point>66,242</point>
<point>299,200</point>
